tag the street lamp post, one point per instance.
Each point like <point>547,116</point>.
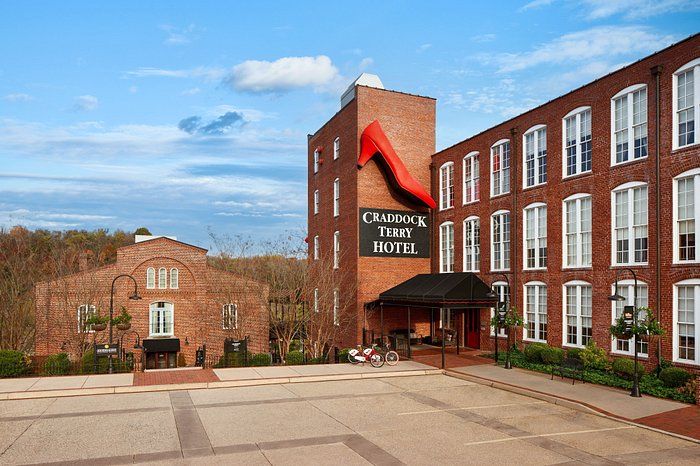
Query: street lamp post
<point>500,315</point>
<point>619,298</point>
<point>134,296</point>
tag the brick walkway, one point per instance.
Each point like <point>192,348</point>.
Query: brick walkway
<point>684,421</point>
<point>452,360</point>
<point>167,377</point>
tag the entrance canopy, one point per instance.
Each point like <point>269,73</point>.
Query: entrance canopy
<point>448,290</point>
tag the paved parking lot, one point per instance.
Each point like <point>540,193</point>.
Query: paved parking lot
<point>413,420</point>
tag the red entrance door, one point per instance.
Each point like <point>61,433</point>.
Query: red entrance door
<point>471,328</point>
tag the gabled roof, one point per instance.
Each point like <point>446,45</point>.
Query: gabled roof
<point>165,238</point>
<point>460,289</point>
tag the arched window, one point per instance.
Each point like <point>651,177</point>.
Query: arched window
<point>686,212</point>
<point>336,148</point>
<point>447,186</point>
<point>336,249</point>
<point>578,225</point>
<point>84,313</point>
<point>162,278</point>
<point>686,104</point>
<point>174,278</point>
<point>472,244</point>
<point>500,241</point>
<point>628,114</point>
<point>626,288</point>
<point>686,321</point>
<point>535,315</point>
<point>578,313</point>
<point>161,318</point>
<point>229,316</point>
<point>447,247</point>
<point>577,142</point>
<point>470,169</point>
<point>150,278</point>
<point>535,156</point>
<point>500,168</point>
<point>630,235</point>
<point>535,237</point>
<point>336,197</point>
<point>317,251</point>
<point>316,201</point>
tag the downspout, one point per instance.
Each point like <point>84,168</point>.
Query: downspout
<point>432,214</point>
<point>656,72</point>
<point>514,217</point>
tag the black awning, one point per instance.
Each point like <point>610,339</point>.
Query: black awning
<point>462,289</point>
<point>161,345</point>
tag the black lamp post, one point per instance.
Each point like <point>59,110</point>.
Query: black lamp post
<point>619,298</point>
<point>501,312</point>
<point>134,296</point>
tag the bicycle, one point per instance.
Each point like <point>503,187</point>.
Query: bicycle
<point>362,355</point>
<point>390,356</point>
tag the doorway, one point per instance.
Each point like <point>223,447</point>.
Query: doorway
<point>161,360</point>
<point>472,328</point>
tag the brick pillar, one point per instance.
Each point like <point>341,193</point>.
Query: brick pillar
<point>138,364</point>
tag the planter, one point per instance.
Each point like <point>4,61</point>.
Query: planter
<point>623,335</point>
<point>99,327</point>
<point>123,327</point>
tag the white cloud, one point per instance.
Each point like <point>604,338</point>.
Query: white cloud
<point>283,74</point>
<point>19,97</point>
<point>536,4</point>
<point>604,41</point>
<point>423,48</point>
<point>133,89</point>
<point>178,36</point>
<point>365,63</point>
<point>481,38</point>
<point>200,72</point>
<point>635,9</point>
<point>191,91</point>
<point>86,103</point>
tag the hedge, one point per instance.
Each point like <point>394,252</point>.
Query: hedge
<point>57,364</point>
<point>533,351</point>
<point>260,359</point>
<point>294,358</point>
<point>674,377</point>
<point>13,363</point>
<point>625,368</point>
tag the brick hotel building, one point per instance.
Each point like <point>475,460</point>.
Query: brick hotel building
<point>555,202</point>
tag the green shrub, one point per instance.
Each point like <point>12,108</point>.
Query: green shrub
<point>294,358</point>
<point>624,367</point>
<point>13,363</point>
<point>88,364</point>
<point>674,377</point>
<point>552,355</point>
<point>260,359</point>
<point>594,357</point>
<point>57,364</point>
<point>533,351</point>
<point>318,360</point>
<point>574,353</point>
<point>343,355</point>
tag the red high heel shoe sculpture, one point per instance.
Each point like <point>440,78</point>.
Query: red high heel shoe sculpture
<point>374,141</point>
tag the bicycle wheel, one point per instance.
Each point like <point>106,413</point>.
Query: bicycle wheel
<point>392,358</point>
<point>377,360</point>
<point>351,358</point>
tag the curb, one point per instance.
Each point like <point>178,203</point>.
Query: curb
<point>560,401</point>
<point>208,385</point>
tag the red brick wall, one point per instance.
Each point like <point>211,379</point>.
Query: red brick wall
<point>197,302</point>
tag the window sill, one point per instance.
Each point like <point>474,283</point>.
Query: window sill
<point>630,355</point>
<point>575,268</point>
<point>685,263</point>
<point>496,196</point>
<point>676,149</point>
<point>641,265</point>
<point>470,202</point>
<point>539,185</point>
<point>686,362</point>
<point>532,340</point>
<point>576,175</point>
<point>629,162</point>
<point>499,270</point>
<point>568,345</point>
<point>500,336</point>
<point>535,269</point>
<point>444,209</point>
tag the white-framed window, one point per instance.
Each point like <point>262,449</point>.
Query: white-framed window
<point>630,236</point>
<point>535,156</point>
<point>577,219</point>
<point>535,237</point>
<point>150,278</point>
<point>229,316</point>
<point>336,148</point>
<point>174,278</point>
<point>336,197</point>
<point>626,288</point>
<point>336,249</point>
<point>686,105</point>
<point>535,315</point>
<point>686,328</point>
<point>84,313</point>
<point>470,169</point>
<point>503,291</point>
<point>577,142</point>
<point>317,160</point>
<point>336,307</point>
<point>447,247</point>
<point>472,246</point>
<point>316,300</point>
<point>578,313</point>
<point>162,278</point>
<point>628,110</point>
<point>500,168</point>
<point>500,240</point>
<point>447,185</point>
<point>686,211</point>
<point>317,251</point>
<point>161,318</point>
<point>316,201</point>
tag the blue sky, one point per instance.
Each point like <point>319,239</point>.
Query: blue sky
<point>190,117</point>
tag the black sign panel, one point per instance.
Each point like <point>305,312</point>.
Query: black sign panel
<point>235,346</point>
<point>394,233</point>
<point>106,350</point>
<point>162,345</point>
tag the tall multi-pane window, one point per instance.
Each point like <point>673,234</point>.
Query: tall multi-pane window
<point>174,278</point>
<point>447,186</point>
<point>317,160</point>
<point>336,197</point>
<point>625,288</point>
<point>686,210</point>
<point>84,313</point>
<point>162,278</point>
<point>315,299</point>
<point>686,327</point>
<point>161,319</point>
<point>336,249</point>
<point>535,156</point>
<point>630,230</point>
<point>336,307</point>
<point>316,201</point>
<point>577,231</point>
<point>229,316</point>
<point>686,105</point>
<point>447,247</point>
<point>472,246</point>
<point>578,313</point>
<point>577,142</point>
<point>471,178</point>
<point>503,292</point>
<point>500,241</point>
<point>535,326</point>
<point>535,225</point>
<point>317,248</point>
<point>336,148</point>
<point>500,168</point>
<point>150,278</point>
<point>629,124</point>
